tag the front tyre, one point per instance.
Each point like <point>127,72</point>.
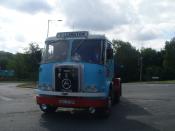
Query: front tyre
<point>117,97</point>
<point>47,108</point>
<point>106,111</point>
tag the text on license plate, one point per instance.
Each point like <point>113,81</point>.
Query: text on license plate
<point>66,102</point>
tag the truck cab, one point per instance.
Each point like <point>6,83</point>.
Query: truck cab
<point>77,71</point>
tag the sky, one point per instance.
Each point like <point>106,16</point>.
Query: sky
<point>143,23</point>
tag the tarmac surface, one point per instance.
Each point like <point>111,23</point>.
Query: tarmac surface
<point>143,107</point>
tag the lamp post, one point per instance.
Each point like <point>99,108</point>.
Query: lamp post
<point>141,63</point>
<point>141,67</point>
<point>49,24</point>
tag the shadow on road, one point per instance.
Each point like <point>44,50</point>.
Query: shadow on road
<point>83,121</point>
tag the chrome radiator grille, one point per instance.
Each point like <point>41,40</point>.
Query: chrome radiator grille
<point>66,79</point>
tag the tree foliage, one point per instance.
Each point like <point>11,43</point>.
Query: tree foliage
<point>169,59</point>
<point>26,64</point>
<point>34,58</point>
<point>152,63</point>
<point>127,60</point>
<point>4,59</point>
<point>19,64</point>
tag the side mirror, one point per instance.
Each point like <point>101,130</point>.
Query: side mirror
<point>109,53</point>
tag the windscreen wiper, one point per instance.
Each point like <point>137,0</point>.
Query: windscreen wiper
<point>79,45</point>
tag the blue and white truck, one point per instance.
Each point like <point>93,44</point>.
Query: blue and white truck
<point>77,71</point>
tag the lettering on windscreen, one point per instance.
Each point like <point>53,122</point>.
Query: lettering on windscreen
<point>72,34</point>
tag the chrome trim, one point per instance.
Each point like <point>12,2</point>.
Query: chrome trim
<point>75,94</point>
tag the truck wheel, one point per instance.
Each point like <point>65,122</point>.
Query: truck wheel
<point>117,97</point>
<point>47,108</point>
<point>106,111</point>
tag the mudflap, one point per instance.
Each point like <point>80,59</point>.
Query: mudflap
<point>117,89</point>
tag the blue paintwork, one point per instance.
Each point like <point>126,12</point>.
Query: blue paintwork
<point>96,75</point>
<point>93,75</point>
<point>110,68</point>
<point>45,74</point>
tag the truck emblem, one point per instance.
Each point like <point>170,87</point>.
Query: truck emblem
<point>66,84</point>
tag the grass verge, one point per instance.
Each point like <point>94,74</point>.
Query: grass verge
<point>27,85</point>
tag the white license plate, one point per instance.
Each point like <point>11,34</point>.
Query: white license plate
<point>67,102</point>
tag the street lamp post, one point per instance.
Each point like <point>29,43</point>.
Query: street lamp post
<point>141,67</point>
<point>48,25</point>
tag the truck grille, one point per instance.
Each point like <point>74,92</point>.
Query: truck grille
<point>66,79</point>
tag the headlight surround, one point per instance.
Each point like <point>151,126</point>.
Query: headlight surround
<point>45,87</point>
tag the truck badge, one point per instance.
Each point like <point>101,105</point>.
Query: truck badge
<point>66,84</point>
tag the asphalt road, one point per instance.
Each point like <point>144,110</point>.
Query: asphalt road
<point>143,107</point>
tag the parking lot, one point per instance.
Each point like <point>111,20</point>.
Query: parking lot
<point>143,107</point>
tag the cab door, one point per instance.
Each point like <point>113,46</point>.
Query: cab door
<point>109,62</point>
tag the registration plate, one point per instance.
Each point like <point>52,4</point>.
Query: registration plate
<point>67,102</point>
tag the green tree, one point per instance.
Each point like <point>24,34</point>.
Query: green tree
<point>127,58</point>
<point>18,64</point>
<point>34,58</point>
<point>26,65</point>
<point>169,59</point>
<point>4,58</point>
<point>152,63</point>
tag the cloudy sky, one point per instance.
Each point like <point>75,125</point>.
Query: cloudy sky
<point>144,23</point>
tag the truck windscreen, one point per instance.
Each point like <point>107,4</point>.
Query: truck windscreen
<point>87,50</point>
<point>56,51</point>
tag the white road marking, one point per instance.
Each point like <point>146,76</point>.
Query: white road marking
<point>5,98</point>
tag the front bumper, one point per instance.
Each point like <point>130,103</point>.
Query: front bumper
<point>75,100</point>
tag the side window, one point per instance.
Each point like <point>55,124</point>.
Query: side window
<point>50,51</point>
<point>103,52</point>
<point>109,51</point>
